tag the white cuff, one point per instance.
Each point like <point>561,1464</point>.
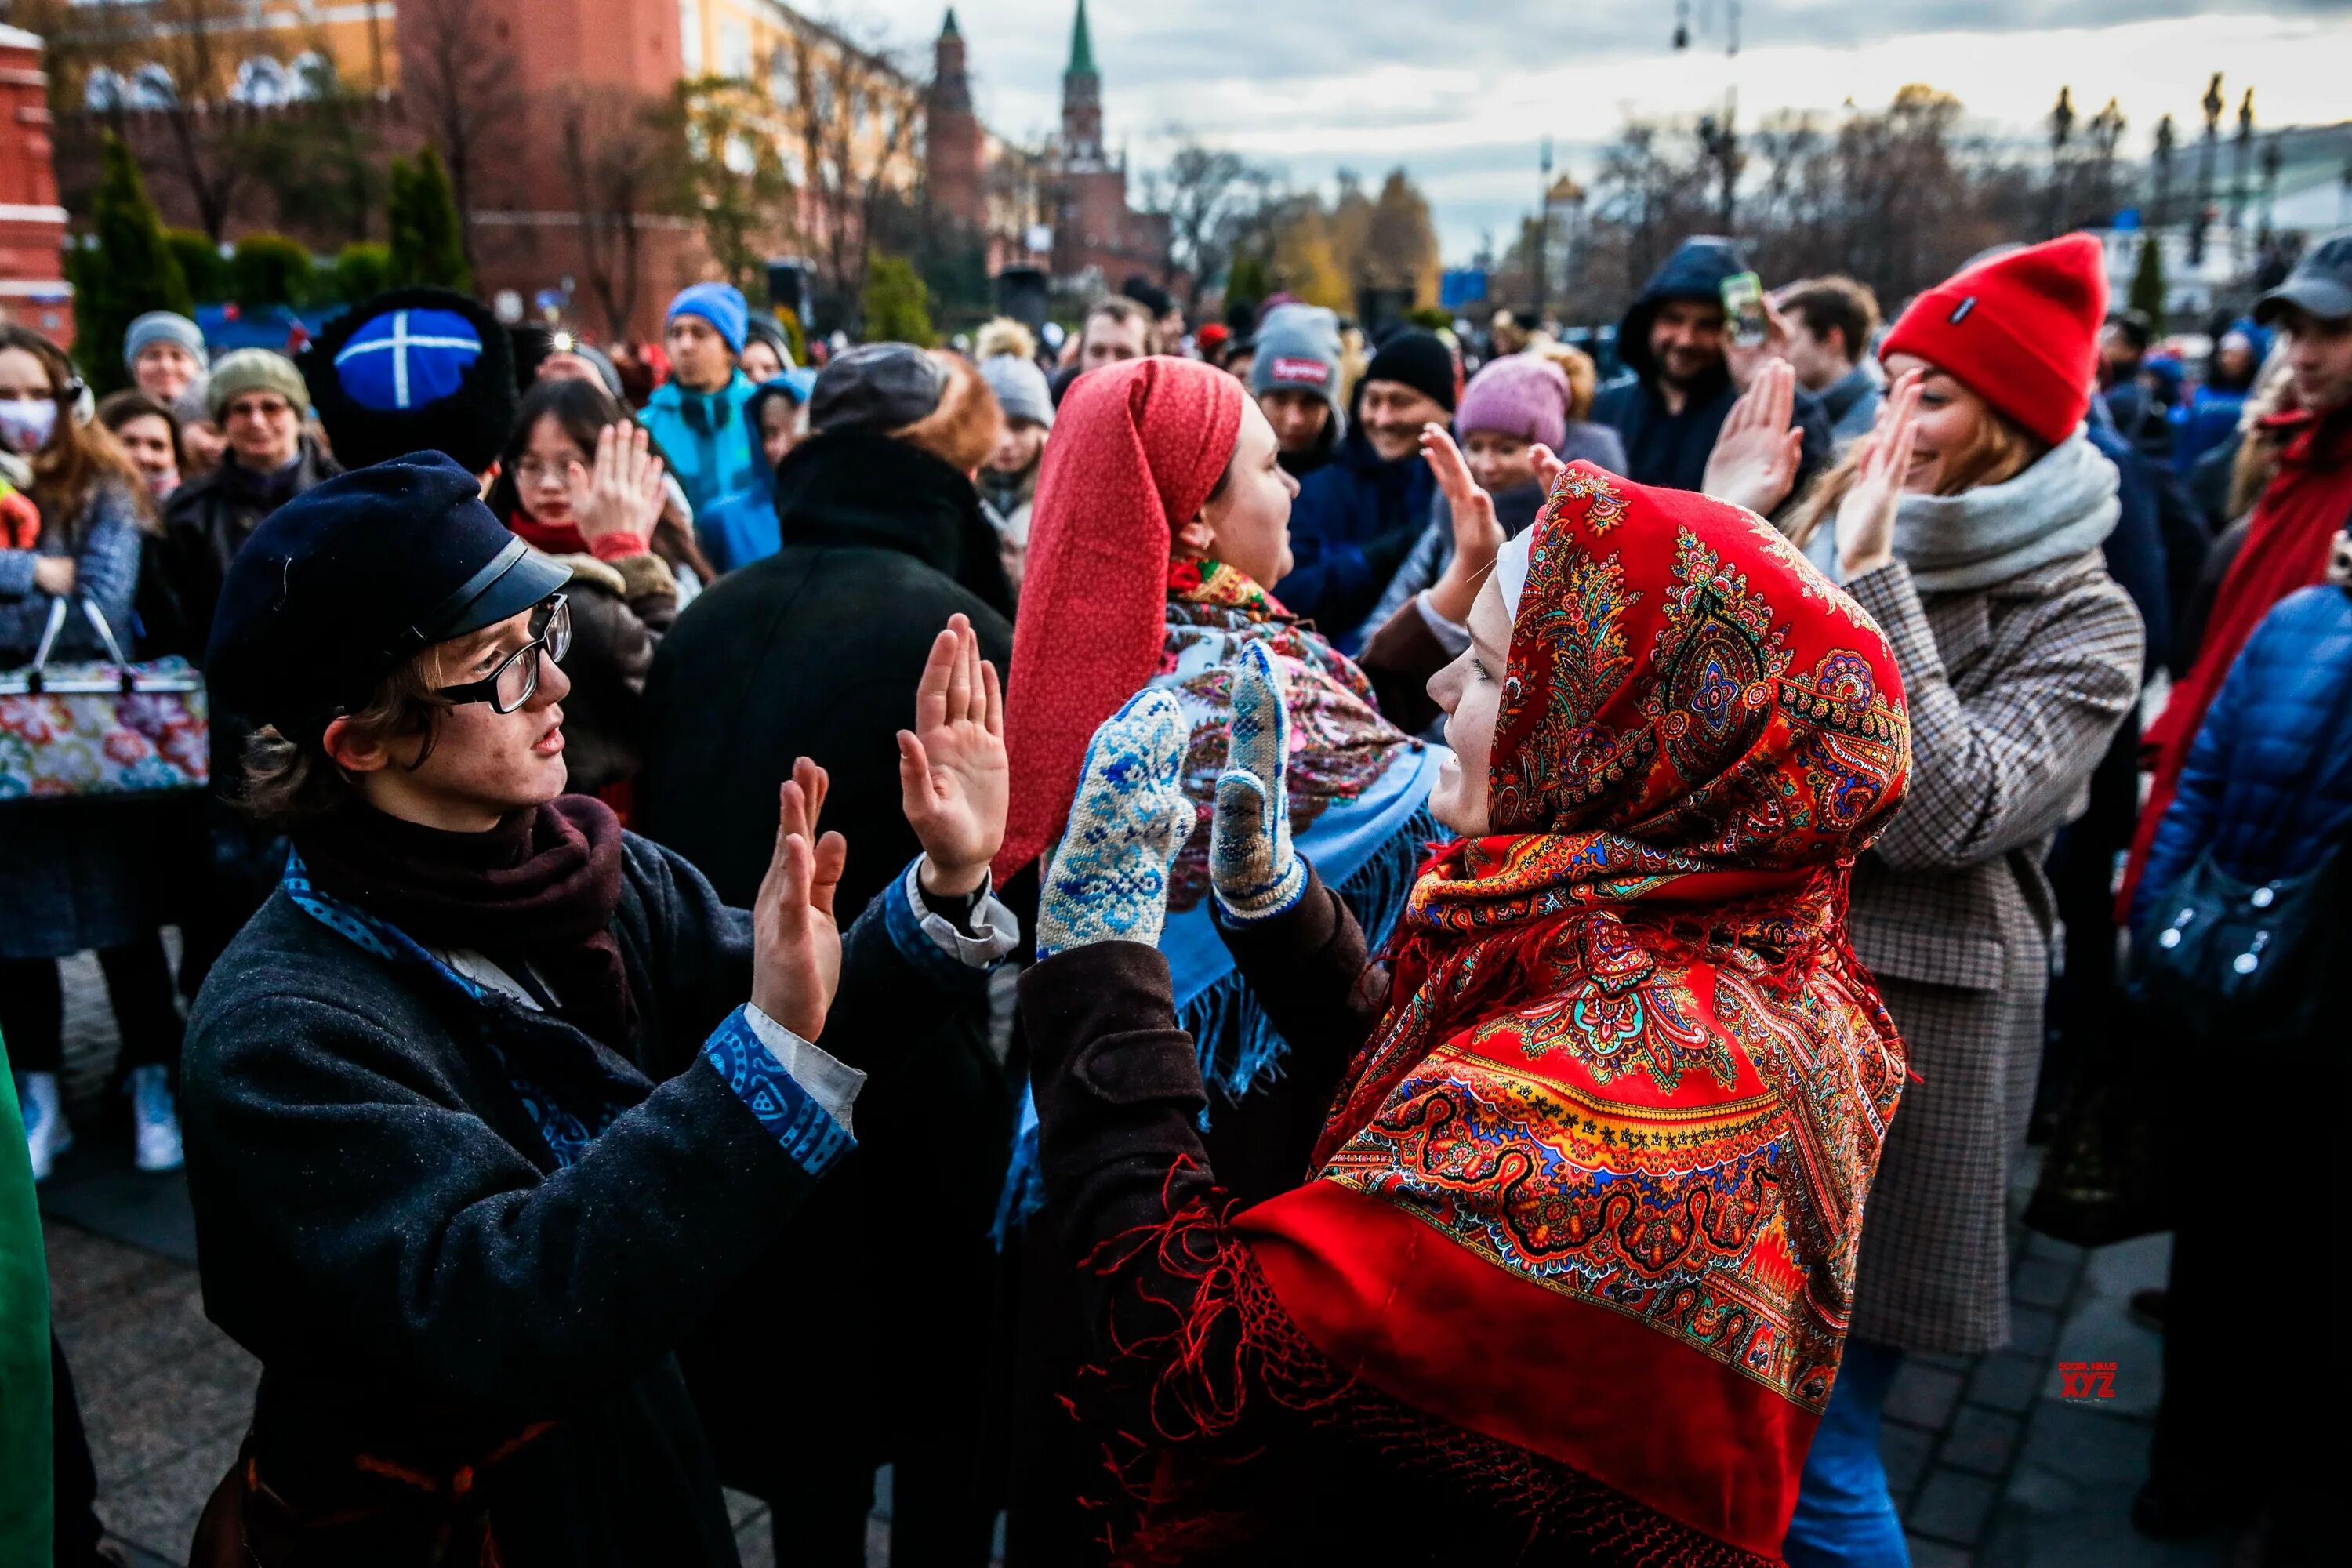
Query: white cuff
<point>1001,931</point>
<point>1452,636</point>
<point>831,1082</point>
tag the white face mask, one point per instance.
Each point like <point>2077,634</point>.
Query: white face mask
<point>26,426</point>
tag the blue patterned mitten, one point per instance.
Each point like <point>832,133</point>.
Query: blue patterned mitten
<point>1252,867</point>
<point>1108,881</point>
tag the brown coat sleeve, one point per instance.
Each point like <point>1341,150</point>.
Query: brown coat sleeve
<point>1399,658</point>
<point>1309,971</point>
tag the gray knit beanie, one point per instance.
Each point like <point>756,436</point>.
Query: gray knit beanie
<point>255,370</point>
<point>1298,351</point>
<point>162,327</point>
<point>1020,387</point>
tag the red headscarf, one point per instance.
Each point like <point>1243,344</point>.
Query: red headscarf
<point>1595,1188</point>
<point>1136,449</point>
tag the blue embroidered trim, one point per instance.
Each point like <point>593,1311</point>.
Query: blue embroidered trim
<point>566,1134</point>
<point>792,1115</point>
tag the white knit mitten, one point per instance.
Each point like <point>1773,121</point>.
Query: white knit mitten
<point>1108,881</point>
<point>1252,867</point>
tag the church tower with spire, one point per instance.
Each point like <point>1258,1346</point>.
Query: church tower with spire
<point>1082,143</point>
<point>952,140</point>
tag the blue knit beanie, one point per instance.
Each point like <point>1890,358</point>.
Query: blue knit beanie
<point>721,305</point>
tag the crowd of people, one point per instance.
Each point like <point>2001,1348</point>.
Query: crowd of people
<point>1240,942</point>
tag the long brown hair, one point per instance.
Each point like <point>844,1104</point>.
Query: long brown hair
<point>1999,449</point>
<point>76,457</point>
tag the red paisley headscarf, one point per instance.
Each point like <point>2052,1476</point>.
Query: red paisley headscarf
<point>1136,449</point>
<point>1594,1189</point>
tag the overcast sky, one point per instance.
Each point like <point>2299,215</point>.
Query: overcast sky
<point>1463,101</point>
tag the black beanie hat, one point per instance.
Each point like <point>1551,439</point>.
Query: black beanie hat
<point>413,370</point>
<point>1419,359</point>
<point>341,584</point>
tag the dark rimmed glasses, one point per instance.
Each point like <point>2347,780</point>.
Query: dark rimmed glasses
<point>508,687</point>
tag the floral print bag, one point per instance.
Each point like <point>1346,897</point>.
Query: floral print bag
<point>104,727</point>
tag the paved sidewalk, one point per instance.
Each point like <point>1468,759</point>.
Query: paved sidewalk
<point>1993,1468</point>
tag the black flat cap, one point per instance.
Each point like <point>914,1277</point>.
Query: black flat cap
<point>876,386</point>
<point>341,584</point>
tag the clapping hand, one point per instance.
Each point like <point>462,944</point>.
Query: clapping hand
<point>954,783</point>
<point>795,940</point>
<point>1754,463</point>
<point>623,491</point>
<point>1253,869</point>
<point>1109,880</point>
<point>1865,517</point>
<point>1477,536</point>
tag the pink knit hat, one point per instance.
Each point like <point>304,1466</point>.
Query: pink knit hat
<point>1523,395</point>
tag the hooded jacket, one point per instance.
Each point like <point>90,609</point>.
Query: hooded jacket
<point>709,450</point>
<point>740,528</point>
<point>1663,447</point>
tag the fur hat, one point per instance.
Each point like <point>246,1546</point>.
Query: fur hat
<point>413,370</point>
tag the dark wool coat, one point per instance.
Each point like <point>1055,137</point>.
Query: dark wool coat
<point>1355,520</point>
<point>620,611</point>
<point>2267,788</point>
<point>380,1223</point>
<point>816,651</point>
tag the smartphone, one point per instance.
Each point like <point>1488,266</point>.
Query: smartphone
<point>1743,309</point>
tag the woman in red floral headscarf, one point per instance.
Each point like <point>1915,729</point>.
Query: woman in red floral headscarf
<point>1570,1280</point>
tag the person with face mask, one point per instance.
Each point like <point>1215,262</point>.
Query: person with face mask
<point>150,437</point>
<point>1554,1290</point>
<point>494,1103</point>
<point>76,874</point>
<point>1162,513</point>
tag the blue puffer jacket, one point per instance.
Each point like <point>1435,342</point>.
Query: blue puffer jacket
<point>2268,785</point>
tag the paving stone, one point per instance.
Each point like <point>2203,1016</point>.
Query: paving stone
<point>2050,1249</point>
<point>1980,1441</point>
<point>1952,1507</point>
<point>2042,1282</point>
<point>1904,1451</point>
<point>158,1509</point>
<point>2033,1330</point>
<point>1923,1395</point>
<point>1937,1554</point>
<point>2067,1504</point>
<point>2009,1382</point>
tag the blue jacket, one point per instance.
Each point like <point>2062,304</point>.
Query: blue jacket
<point>740,527</point>
<point>2136,550</point>
<point>1355,520</point>
<point>1668,448</point>
<point>2268,784</point>
<point>703,434</point>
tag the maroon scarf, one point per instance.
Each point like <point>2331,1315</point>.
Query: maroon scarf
<point>537,892</point>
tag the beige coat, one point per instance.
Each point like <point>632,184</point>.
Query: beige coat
<point>2014,693</point>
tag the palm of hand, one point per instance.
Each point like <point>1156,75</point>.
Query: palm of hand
<point>1108,881</point>
<point>960,815</point>
<point>1751,464</point>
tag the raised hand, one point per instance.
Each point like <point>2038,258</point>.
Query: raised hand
<point>1109,880</point>
<point>795,939</point>
<point>1476,534</point>
<point>1865,517</point>
<point>1746,363</point>
<point>954,783</point>
<point>1754,463</point>
<point>621,492</point>
<point>1253,870</point>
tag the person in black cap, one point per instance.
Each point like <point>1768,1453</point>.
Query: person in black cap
<point>1359,515</point>
<point>1167,316</point>
<point>480,1121</point>
<point>815,651</point>
<point>1676,340</point>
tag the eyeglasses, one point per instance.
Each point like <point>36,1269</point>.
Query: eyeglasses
<point>510,685</point>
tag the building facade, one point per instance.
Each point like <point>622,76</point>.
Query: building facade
<point>33,291</point>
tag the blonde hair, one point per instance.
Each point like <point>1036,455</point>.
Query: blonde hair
<point>968,421</point>
<point>1583,376</point>
<point>1999,449</point>
<point>1003,335</point>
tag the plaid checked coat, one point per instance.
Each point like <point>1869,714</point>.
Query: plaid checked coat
<point>2014,693</point>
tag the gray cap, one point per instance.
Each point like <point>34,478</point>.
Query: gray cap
<point>2320,285</point>
<point>162,327</point>
<point>1020,387</point>
<point>1298,351</point>
<point>876,386</point>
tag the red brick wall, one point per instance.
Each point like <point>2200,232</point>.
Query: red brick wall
<point>32,224</point>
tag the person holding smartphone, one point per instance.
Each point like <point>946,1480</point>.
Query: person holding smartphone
<point>1694,340</point>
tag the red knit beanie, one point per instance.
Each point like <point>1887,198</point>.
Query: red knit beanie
<point>2022,331</point>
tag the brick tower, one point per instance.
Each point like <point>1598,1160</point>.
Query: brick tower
<point>952,132</point>
<point>32,224</point>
